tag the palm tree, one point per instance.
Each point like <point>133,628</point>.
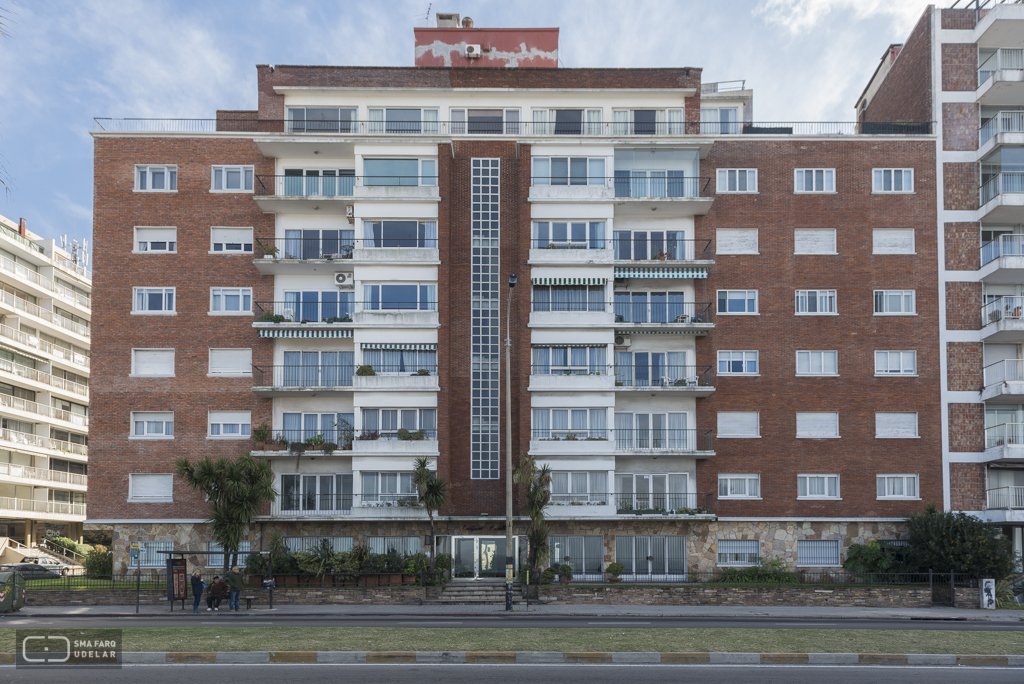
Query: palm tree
<point>235,491</point>
<point>433,493</point>
<point>538,496</point>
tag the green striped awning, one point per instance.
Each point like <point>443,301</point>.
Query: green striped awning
<point>569,281</point>
<point>276,332</point>
<point>661,331</point>
<point>660,272</point>
<point>387,345</point>
<point>584,346</point>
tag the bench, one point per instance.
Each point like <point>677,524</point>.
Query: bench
<point>248,602</point>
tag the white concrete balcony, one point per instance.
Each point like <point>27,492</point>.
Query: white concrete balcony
<point>1004,382</point>
<point>618,505</point>
<point>1001,78</point>
<point>572,443</point>
<point>25,441</point>
<point>1002,260</point>
<point>1002,320</point>
<point>41,510</point>
<point>397,382</point>
<point>372,443</point>
<point>346,507</point>
<point>1001,198</point>
<point>548,379</point>
<point>570,253</point>
<point>1005,443</point>
<point>12,473</point>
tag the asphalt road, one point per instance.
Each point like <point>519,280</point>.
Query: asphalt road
<point>476,674</point>
<point>455,620</point>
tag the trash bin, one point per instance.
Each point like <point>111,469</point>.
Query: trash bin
<point>12,591</point>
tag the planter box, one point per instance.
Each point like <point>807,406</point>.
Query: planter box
<point>269,446</point>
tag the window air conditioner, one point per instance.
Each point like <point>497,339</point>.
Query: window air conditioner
<point>344,281</point>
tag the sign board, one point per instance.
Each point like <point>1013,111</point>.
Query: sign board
<point>988,594</point>
<point>177,579</point>
<point>134,551</point>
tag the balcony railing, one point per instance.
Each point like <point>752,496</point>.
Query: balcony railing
<point>1010,308</point>
<point>321,377</point>
<point>332,186</point>
<point>1007,370</point>
<point>336,247</point>
<point>44,346</point>
<point>1005,498</point>
<point>664,313</point>
<point>1001,122</point>
<point>652,503</point>
<point>665,440</point>
<point>19,304</point>
<point>653,250</point>
<point>663,377</point>
<point>45,378</point>
<point>19,404</point>
<point>315,505</point>
<point>44,282</point>
<point>32,506</point>
<point>1007,434</point>
<point>1006,182</point>
<point>1003,58</point>
<point>332,312</point>
<point>1004,245</point>
<point>342,438</point>
<point>42,474</point>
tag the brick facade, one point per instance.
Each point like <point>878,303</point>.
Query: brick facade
<point>964,362</point>
<point>959,18</point>
<point>960,186</point>
<point>963,246</point>
<point>959,67</point>
<point>967,484</point>
<point>963,306</point>
<point>966,428</point>
<point>960,125</point>
<point>906,92</point>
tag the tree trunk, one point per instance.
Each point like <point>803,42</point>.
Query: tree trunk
<point>433,540</point>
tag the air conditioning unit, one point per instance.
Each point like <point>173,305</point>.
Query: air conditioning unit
<point>345,281</point>
<point>473,51</point>
<point>622,341</point>
<point>350,213</point>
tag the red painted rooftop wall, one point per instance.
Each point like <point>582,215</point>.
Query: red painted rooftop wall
<point>521,47</point>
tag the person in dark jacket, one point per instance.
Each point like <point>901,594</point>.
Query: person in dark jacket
<point>197,590</point>
<point>215,594</point>
<point>235,585</point>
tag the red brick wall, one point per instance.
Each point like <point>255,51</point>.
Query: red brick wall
<point>855,333</point>
<point>967,427</point>
<point>967,486</point>
<point>960,125</point>
<point>193,271</point>
<point>960,181</point>
<point>959,66</point>
<point>963,246</point>
<point>958,18</point>
<point>964,366</point>
<point>906,92</point>
<point>963,306</point>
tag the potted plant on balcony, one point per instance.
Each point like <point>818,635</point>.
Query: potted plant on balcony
<point>422,371</point>
<point>328,448</point>
<point>564,573</point>
<point>269,250</point>
<point>365,371</point>
<point>613,571</point>
<point>314,443</point>
<point>261,435</point>
<point>661,255</point>
<point>271,317</point>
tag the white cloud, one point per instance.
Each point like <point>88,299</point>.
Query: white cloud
<point>799,16</point>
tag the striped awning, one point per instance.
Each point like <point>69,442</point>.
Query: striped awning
<point>576,346</point>
<point>660,272</point>
<point>275,332</point>
<point>387,345</point>
<point>569,281</point>
<point>661,331</point>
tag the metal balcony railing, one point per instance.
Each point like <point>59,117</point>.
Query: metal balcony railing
<point>313,505</point>
<point>321,377</point>
<point>42,474</point>
<point>553,369</point>
<point>722,87</point>
<point>19,304</point>
<point>653,249</point>
<point>1001,122</point>
<point>1004,245</point>
<point>1003,58</point>
<point>1007,370</point>
<point>1008,308</point>
<point>45,283</point>
<point>1004,498</point>
<point>663,377</point>
<point>665,440</point>
<point>335,247</point>
<point>32,506</point>
<point>659,503</point>
<point>46,347</point>
<point>664,185</point>
<point>19,404</point>
<point>332,186</point>
<point>342,437</point>
<point>45,378</point>
<point>1007,434</point>
<point>661,312</point>
<point>1001,183</point>
<point>332,312</point>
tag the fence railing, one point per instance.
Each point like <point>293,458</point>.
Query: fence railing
<point>1001,122</point>
<point>1003,58</point>
<point>667,440</point>
<point>1002,498</point>
<point>340,503</point>
<point>1010,308</point>
<point>639,503</point>
<point>306,376</point>
<point>19,404</point>
<point>632,312</point>
<point>44,378</point>
<point>1004,245</point>
<point>42,474</point>
<point>44,346</point>
<point>154,577</point>
<point>336,247</point>
<point>1002,183</point>
<point>663,377</point>
<point>19,304</point>
<point>342,438</point>
<point>1006,434</point>
<point>33,506</point>
<point>311,312</point>
<point>1007,370</point>
<point>45,283</point>
<point>657,248</point>
<point>332,186</point>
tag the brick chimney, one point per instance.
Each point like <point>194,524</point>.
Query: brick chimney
<point>22,230</point>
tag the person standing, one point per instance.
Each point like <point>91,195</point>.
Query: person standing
<point>215,594</point>
<point>235,585</point>
<point>197,590</point>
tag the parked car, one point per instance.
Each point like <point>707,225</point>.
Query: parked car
<point>31,570</point>
<point>53,564</point>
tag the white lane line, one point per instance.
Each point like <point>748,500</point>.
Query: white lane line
<point>232,622</point>
<point>618,623</point>
<point>427,622</point>
<point>808,624</point>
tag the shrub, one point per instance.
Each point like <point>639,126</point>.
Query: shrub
<point>875,557</point>
<point>365,370</point>
<point>615,569</point>
<point>404,435</point>
<point>99,562</point>
<point>548,576</point>
<point>64,543</point>
<point>957,542</point>
<point>261,433</point>
<point>765,572</point>
<point>443,562</point>
<point>565,570</point>
<point>271,317</point>
<point>422,371</point>
<point>255,564</point>
<point>329,448</point>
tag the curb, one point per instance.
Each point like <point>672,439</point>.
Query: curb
<point>558,657</point>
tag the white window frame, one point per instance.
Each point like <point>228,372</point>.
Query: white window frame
<point>241,374</point>
<point>221,292</point>
<point>741,564</point>
<point>159,417</point>
<point>901,373</point>
<point>724,178</point>
<point>814,497</point>
<point>810,356</point>
<point>747,478</point>
<point>826,298</point>
<point>885,294</point>
<point>144,182</point>
<point>148,249</point>
<point>882,481</point>
<point>132,498</point>
<point>155,312</point>
<point>420,305</point>
<point>828,178</point>
<point>746,356</point>
<point>217,421</point>
<point>597,171</point>
<point>148,556</point>
<point>796,242</point>
<point>878,177</point>
<point>757,303</point>
<point>719,434</point>
<point>428,126</point>
<point>134,371</point>
<point>230,252</point>
<point>458,126</point>
<point>219,174</point>
<point>816,413</point>
<point>832,543</point>
<point>917,425</point>
<point>427,169</point>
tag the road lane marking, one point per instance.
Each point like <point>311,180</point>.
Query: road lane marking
<point>618,623</point>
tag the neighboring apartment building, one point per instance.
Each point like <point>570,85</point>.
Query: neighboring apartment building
<point>45,308</point>
<point>964,67</point>
<point>724,336</point>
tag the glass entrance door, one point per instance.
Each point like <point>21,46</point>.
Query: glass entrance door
<point>492,557</point>
<point>465,557</point>
<point>481,556</point>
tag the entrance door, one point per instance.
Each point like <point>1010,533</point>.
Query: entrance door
<point>465,557</point>
<point>492,557</point>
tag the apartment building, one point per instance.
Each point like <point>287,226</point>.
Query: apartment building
<point>45,330</point>
<point>963,66</point>
<point>724,334</point>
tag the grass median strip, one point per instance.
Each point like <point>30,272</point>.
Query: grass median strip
<point>279,639</point>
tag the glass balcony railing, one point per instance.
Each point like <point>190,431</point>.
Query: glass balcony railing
<point>1001,183</point>
<point>1007,370</point>
<point>1001,59</point>
<point>1002,122</point>
<point>1004,498</point>
<point>1004,245</point>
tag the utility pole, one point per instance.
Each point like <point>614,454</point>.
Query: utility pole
<point>509,559</point>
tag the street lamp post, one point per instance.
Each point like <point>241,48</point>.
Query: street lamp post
<point>509,562</point>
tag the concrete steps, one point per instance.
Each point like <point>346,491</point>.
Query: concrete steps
<point>485,590</point>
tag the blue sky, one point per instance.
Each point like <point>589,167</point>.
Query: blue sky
<point>66,61</point>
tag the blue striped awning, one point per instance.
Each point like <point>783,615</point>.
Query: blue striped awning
<point>388,345</point>
<point>660,272</point>
<point>569,281</point>
<point>286,332</point>
<point>661,331</point>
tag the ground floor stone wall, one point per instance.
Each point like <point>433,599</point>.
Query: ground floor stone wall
<point>703,595</point>
<point>260,597</point>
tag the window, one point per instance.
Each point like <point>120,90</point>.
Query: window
<point>394,120</point>
<point>897,487</point>
<point>156,240</point>
<point>154,300</point>
<point>216,560</point>
<point>229,424</point>
<point>404,546</point>
<point>577,488</point>
<point>896,425</point>
<point>389,488</point>
<point>653,431</point>
<point>641,245</point>
<point>328,307</point>
<point>153,425</point>
<point>896,302</point>
<point>736,180</point>
<point>386,358</point>
<point>316,493</point>
<point>318,183</point>
<point>817,363</point>
<point>892,180</point>
<point>421,234</point>
<point>719,120</point>
<point>647,122</point>
<point>569,171</point>
<point>485,121</point>
<point>310,369</point>
<point>739,424</point>
<point>737,301</point>
<point>228,300</point>
<point>322,120</point>
<point>231,362</point>
<point>388,422</point>
<point>150,488</point>
<point>336,428</point>
<point>399,172</point>
<point>655,307</point>
<point>739,551</point>
<point>338,544</point>
<point>399,296</point>
<point>651,555</point>
<point>737,362</point>
<point>150,556</point>
<point>817,486</point>
<point>892,241</point>
<point>568,235</point>
<point>814,241</point>
<point>569,298</point>
<point>231,240</point>
<point>817,425</point>
<point>739,486</point>
<point>815,302</point>
<point>156,178</point>
<point>895,363</point>
<point>814,180</point>
<point>736,241</point>
<point>318,244</point>
<point>569,360</point>
<point>570,424</point>
<point>585,553</point>
<point>153,363</point>
<point>562,121</point>
<point>817,553</point>
<point>232,179</point>
<point>654,369</point>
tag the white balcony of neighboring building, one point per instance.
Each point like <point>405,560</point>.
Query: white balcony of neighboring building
<point>1002,320</point>
<point>336,194</point>
<point>1001,198</point>
<point>633,506</point>
<point>1000,76</point>
<point>1005,442</point>
<point>34,411</point>
<point>386,380</point>
<point>41,381</point>
<point>1004,505</point>
<point>1002,260</point>
<point>1004,382</point>
<point>545,378</point>
<point>666,442</point>
<point>33,345</point>
<point>41,510</point>
<point>346,507</point>
<point>18,474</point>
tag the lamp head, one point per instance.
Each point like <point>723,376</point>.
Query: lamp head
<point>512,280</point>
